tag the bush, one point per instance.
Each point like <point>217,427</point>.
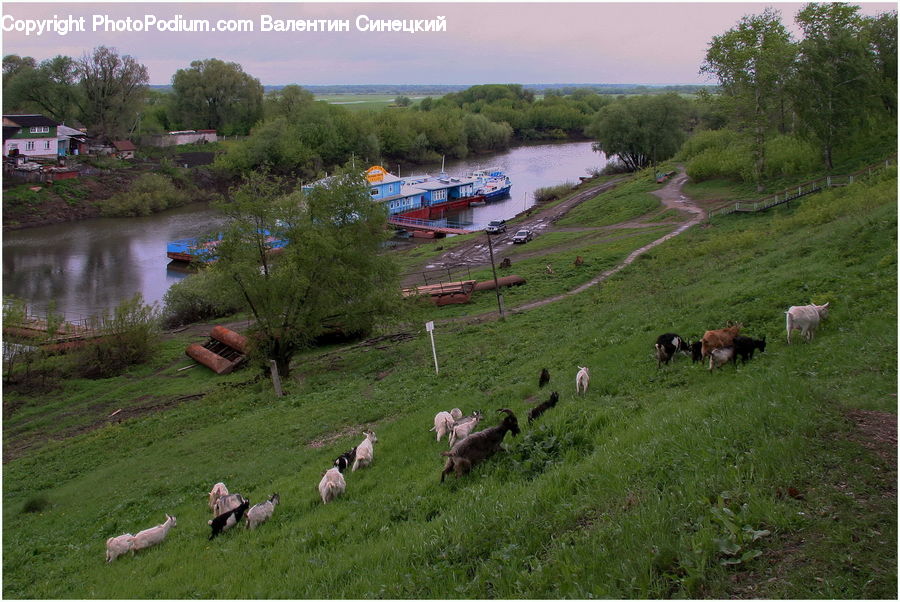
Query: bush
<point>150,193</point>
<point>129,336</point>
<point>790,156</point>
<point>551,193</point>
<point>202,296</point>
<point>613,168</point>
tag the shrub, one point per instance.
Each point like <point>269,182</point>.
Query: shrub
<point>551,193</point>
<point>201,296</point>
<point>613,168</point>
<point>790,156</point>
<point>129,336</point>
<point>149,194</point>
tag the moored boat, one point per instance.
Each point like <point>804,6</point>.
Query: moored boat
<point>492,183</point>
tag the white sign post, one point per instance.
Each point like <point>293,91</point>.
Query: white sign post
<point>429,326</point>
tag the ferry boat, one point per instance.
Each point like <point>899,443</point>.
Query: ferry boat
<point>492,183</point>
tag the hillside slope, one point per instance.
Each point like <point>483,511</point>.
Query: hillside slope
<point>748,482</point>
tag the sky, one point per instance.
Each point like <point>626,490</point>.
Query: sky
<point>485,42</point>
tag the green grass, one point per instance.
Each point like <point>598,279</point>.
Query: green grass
<point>627,201</point>
<point>646,487</point>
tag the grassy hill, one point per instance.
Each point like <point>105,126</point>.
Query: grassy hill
<point>748,482</point>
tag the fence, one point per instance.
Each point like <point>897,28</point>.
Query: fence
<point>795,192</point>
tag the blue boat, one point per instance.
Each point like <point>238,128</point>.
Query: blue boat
<point>492,184</point>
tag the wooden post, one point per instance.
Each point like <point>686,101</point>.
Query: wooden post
<point>494,269</point>
<point>276,380</point>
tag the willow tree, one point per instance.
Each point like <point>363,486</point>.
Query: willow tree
<point>331,272</point>
<point>753,63</point>
<point>113,90</point>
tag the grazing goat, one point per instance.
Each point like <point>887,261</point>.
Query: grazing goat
<point>463,426</point>
<point>228,519</point>
<point>260,513</point>
<point>478,446</point>
<point>696,351</point>
<point>544,378</point>
<point>543,407</point>
<point>365,452</point>
<point>153,535</point>
<point>116,546</point>
<point>331,485</point>
<point>805,318</point>
<point>666,346</point>
<point>345,460</point>
<point>227,502</point>
<point>745,346</point>
<point>443,423</point>
<point>713,339</point>
<point>720,355</point>
<point>582,380</point>
<point>217,491</point>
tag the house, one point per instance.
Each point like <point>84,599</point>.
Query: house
<point>124,149</point>
<point>31,136</point>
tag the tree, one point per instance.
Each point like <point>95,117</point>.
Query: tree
<point>113,90</point>
<point>331,273</point>
<point>403,101</point>
<point>213,94</point>
<point>835,81</point>
<point>753,63</point>
<point>882,37</point>
<point>288,102</point>
<point>641,130</point>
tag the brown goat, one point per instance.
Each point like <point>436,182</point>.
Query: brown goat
<point>478,446</point>
<point>715,339</point>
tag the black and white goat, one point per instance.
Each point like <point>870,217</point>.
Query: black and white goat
<point>667,345</point>
<point>228,519</point>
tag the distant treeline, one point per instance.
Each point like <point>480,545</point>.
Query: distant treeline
<point>440,89</point>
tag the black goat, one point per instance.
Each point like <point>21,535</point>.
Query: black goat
<point>543,407</point>
<point>545,377</point>
<point>226,520</point>
<point>667,345</point>
<point>478,446</point>
<point>696,351</point>
<point>745,346</point>
<point>345,459</point>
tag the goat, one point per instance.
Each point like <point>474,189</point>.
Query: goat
<point>228,519</point>
<point>745,346</point>
<point>443,423</point>
<point>227,502</point>
<point>696,351</point>
<point>217,491</point>
<point>544,378</point>
<point>666,346</point>
<point>713,339</point>
<point>345,460</point>
<point>578,261</point>
<point>720,355</point>
<point>549,269</point>
<point>478,446</point>
<point>365,452</point>
<point>805,318</point>
<point>582,380</point>
<point>153,535</point>
<point>331,485</point>
<point>260,513</point>
<point>463,426</point>
<point>456,413</point>
<point>506,263</point>
<point>543,407</point>
<point>116,546</point>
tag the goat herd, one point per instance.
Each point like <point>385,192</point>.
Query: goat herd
<point>467,448</point>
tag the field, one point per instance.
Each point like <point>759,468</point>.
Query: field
<point>363,101</point>
<point>771,479</point>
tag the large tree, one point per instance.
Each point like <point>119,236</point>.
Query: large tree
<point>641,130</point>
<point>835,83</point>
<point>753,63</point>
<point>331,273</point>
<point>213,94</point>
<point>113,91</point>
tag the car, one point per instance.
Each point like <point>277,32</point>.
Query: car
<point>522,236</point>
<point>496,227</point>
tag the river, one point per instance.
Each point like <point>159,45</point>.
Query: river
<point>89,267</point>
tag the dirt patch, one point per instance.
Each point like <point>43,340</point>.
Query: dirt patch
<point>877,432</point>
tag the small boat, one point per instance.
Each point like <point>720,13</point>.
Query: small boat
<point>492,183</point>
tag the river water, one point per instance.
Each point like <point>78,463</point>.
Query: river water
<point>91,266</point>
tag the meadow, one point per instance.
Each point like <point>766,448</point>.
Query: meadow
<point>751,481</point>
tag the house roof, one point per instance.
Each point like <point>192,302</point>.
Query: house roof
<point>29,121</point>
<point>124,145</point>
<point>9,131</point>
<point>64,130</point>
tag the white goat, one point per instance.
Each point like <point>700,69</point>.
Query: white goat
<point>227,502</point>
<point>365,452</point>
<point>116,546</point>
<point>582,380</point>
<point>461,428</point>
<point>218,490</point>
<point>805,318</point>
<point>720,356</point>
<point>443,423</point>
<point>331,485</point>
<point>153,535</point>
<point>456,413</point>
<point>260,513</point>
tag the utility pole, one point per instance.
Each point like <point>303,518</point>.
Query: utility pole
<point>494,269</point>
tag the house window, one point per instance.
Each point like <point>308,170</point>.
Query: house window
<point>373,191</point>
<point>40,129</point>
<point>29,145</point>
<point>46,145</point>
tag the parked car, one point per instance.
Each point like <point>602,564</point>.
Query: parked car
<point>522,236</point>
<point>496,227</point>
